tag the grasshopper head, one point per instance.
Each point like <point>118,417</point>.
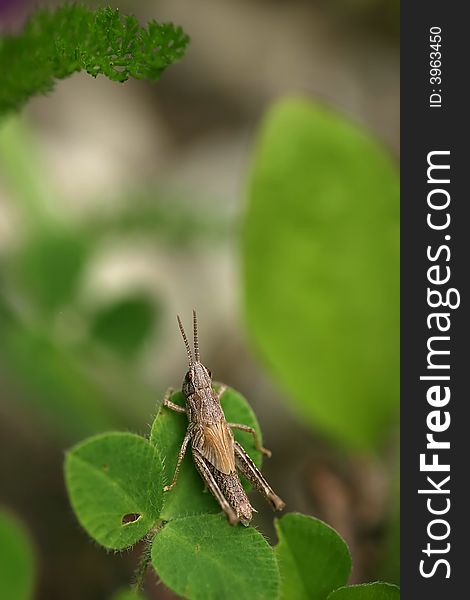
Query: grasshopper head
<point>198,376</point>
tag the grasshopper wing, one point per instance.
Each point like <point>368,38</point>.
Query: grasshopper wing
<point>215,442</point>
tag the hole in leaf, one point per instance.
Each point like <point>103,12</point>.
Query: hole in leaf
<point>130,518</point>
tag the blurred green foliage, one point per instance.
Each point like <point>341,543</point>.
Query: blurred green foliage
<point>321,270</point>
<point>124,326</point>
<point>367,591</point>
<point>127,594</point>
<point>75,364</point>
<point>16,559</point>
<point>48,266</point>
<point>390,565</point>
<point>57,43</point>
<point>72,388</point>
<point>52,381</point>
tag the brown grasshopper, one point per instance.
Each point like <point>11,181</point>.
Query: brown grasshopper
<point>215,452</point>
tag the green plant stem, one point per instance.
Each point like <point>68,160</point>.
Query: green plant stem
<point>145,558</point>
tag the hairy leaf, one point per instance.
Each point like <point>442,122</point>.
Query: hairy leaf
<point>203,557</point>
<point>188,497</point>
<point>57,43</point>
<point>321,269</point>
<point>367,591</point>
<point>16,560</point>
<point>115,487</point>
<point>313,559</point>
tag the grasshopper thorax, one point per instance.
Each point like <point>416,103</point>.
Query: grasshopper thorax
<point>198,377</point>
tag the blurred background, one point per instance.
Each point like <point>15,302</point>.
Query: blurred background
<point>123,205</point>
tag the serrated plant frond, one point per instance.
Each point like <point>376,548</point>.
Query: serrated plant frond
<point>54,44</point>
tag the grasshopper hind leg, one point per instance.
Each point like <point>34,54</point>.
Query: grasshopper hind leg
<point>227,490</point>
<point>211,484</point>
<point>253,475</point>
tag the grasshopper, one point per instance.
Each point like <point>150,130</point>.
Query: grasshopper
<point>216,454</point>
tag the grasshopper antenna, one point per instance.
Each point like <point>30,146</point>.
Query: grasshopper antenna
<point>185,339</point>
<point>196,340</point>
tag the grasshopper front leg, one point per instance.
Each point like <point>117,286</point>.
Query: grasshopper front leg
<point>171,405</point>
<point>253,475</point>
<point>181,454</point>
<point>221,389</point>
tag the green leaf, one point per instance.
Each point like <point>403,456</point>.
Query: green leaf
<point>49,378</point>
<point>188,497</point>
<point>125,325</point>
<point>49,266</point>
<point>321,278</point>
<point>367,591</point>
<point>57,43</point>
<point>115,487</point>
<point>313,559</point>
<point>203,557</point>
<point>16,560</point>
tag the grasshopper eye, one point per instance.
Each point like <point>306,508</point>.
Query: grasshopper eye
<point>210,372</point>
